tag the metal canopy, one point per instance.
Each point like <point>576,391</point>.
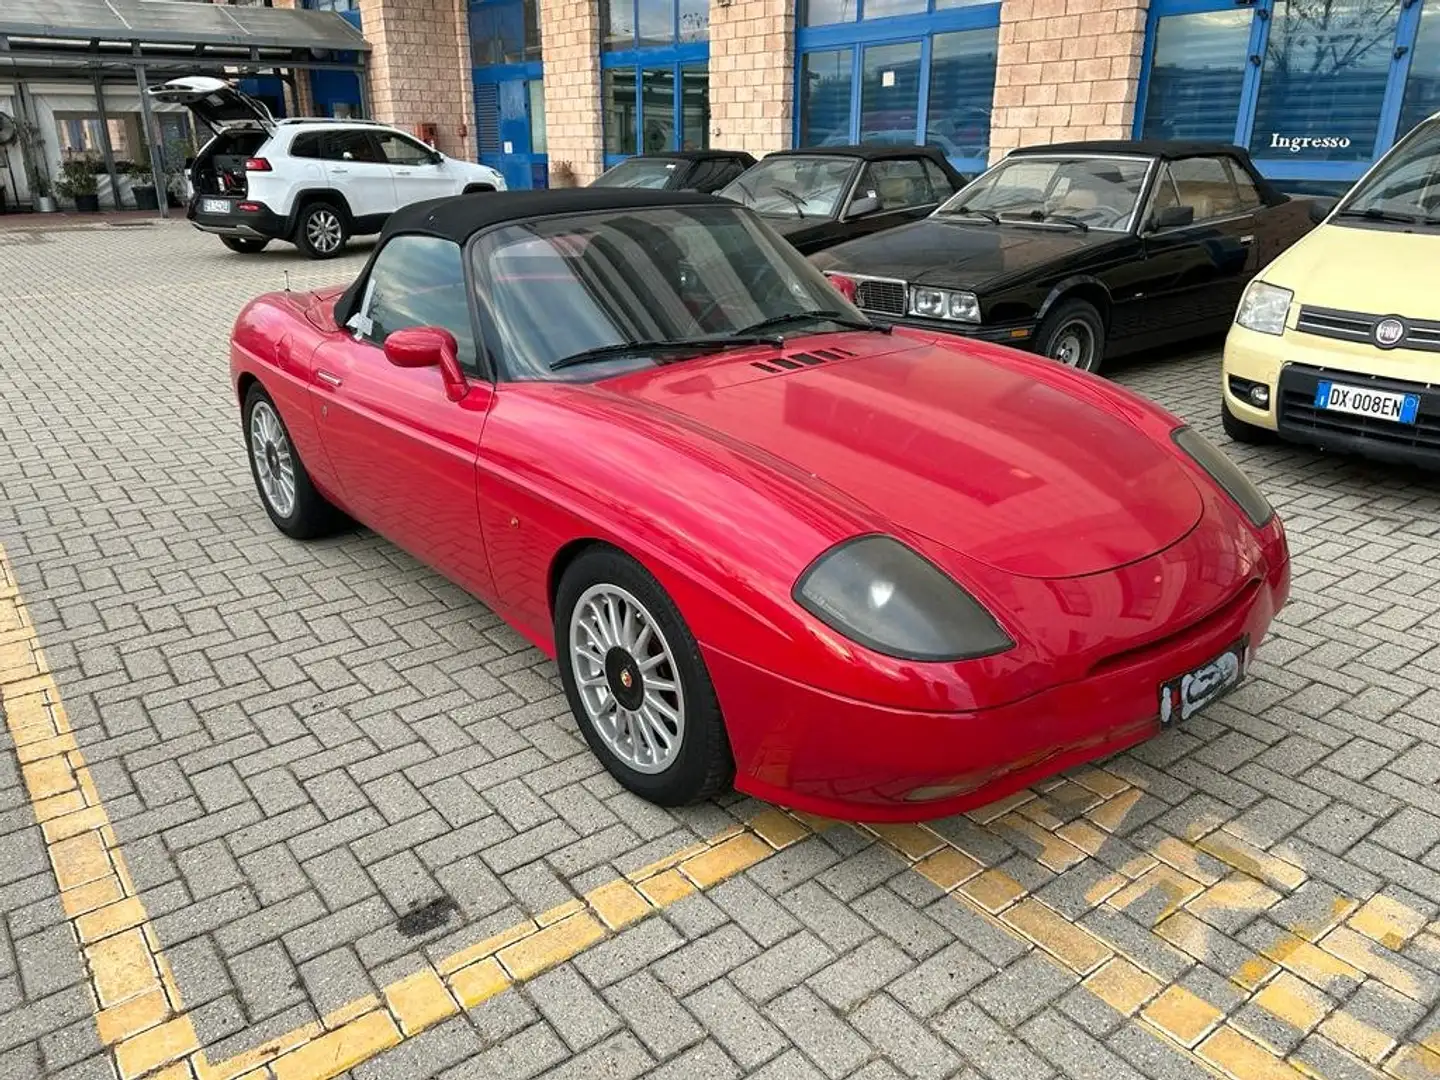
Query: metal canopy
<point>176,22</point>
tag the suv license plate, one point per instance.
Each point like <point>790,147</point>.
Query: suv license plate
<point>1183,697</point>
<point>215,206</point>
<point>1359,401</point>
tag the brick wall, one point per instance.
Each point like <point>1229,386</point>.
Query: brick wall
<point>752,75</point>
<point>420,68</point>
<point>574,129</point>
<point>1066,69</point>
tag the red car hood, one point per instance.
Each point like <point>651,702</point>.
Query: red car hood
<point>973,452</point>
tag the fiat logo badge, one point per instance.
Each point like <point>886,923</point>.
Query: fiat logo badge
<point>1389,332</point>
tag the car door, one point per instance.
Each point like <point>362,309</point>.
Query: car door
<point>902,189</point>
<point>419,172</point>
<point>404,454</point>
<point>1197,269</point>
<point>354,167</point>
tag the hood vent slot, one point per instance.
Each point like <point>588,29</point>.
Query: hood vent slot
<point>797,361</point>
<point>809,359</point>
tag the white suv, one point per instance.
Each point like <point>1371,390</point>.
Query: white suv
<point>315,183</point>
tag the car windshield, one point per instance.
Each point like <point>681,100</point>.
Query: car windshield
<point>1097,192</point>
<point>794,185</point>
<point>639,173</point>
<point>555,289</point>
<point>1406,187</point>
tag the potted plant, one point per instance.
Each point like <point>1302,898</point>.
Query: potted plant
<point>77,182</point>
<point>142,183</point>
<point>562,175</point>
<point>44,200</point>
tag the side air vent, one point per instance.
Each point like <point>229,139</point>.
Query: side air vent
<point>808,359</point>
<point>764,367</point>
<point>787,364</point>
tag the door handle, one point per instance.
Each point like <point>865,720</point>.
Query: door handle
<point>1247,240</point>
<point>326,377</point>
<point>340,172</point>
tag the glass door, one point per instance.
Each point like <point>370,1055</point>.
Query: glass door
<point>509,90</point>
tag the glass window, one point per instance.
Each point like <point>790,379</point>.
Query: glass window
<point>1326,66</point>
<point>939,182</point>
<point>618,96</point>
<point>825,82</point>
<point>504,32</point>
<point>618,24</point>
<point>1100,191</point>
<point>883,9</point>
<point>656,21</point>
<point>532,29</point>
<point>794,185</point>
<point>536,89</point>
<point>890,93</point>
<point>824,12</point>
<point>657,104</point>
<point>1197,72</point>
<point>1204,184</point>
<point>652,173</point>
<point>1422,87</point>
<point>695,107</point>
<point>350,146</point>
<point>306,145</point>
<point>694,20</point>
<point>659,274</point>
<point>1245,191</point>
<point>962,87</point>
<point>898,184</point>
<point>398,150</point>
<point>1407,184</point>
<point>419,281</point>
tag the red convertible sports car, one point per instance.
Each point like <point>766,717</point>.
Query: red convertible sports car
<point>872,573</point>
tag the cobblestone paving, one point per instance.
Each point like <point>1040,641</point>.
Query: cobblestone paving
<point>300,745</point>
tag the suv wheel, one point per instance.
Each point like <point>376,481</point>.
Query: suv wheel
<point>321,232</point>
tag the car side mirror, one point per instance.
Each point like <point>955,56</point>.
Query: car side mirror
<point>437,158</point>
<point>866,204</point>
<point>1320,209</point>
<point>428,346</point>
<point>1172,217</point>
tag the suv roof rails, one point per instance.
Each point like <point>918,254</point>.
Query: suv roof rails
<point>326,120</point>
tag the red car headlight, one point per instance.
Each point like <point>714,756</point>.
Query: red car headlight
<point>1218,466</point>
<point>881,594</point>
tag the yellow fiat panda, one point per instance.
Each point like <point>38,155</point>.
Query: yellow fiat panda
<point>1337,342</point>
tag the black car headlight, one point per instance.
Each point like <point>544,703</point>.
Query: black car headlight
<point>881,594</point>
<point>1226,473</point>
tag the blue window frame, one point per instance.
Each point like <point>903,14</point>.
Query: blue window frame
<point>1317,89</point>
<point>655,76</point>
<point>508,74</point>
<point>897,71</point>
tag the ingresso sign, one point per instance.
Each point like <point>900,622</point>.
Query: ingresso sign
<point>1296,143</point>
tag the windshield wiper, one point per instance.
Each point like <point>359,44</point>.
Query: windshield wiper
<point>839,318</point>
<point>1374,214</point>
<point>666,345</point>
<point>786,193</point>
<point>974,211</point>
<point>1066,219</point>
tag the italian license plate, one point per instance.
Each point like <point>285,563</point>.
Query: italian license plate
<point>1361,401</point>
<point>1182,697</point>
<point>214,206</point>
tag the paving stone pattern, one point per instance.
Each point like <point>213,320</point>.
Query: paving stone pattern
<point>300,744</point>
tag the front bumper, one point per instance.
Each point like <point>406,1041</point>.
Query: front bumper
<point>1291,367</point>
<point>1017,335</point>
<point>259,223</point>
<point>803,747</point>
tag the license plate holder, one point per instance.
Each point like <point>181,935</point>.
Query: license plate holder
<point>215,206</point>
<point>1185,695</point>
<point>1398,408</point>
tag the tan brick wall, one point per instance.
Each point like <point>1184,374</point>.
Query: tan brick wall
<point>420,68</point>
<point>752,75</point>
<point>1066,69</point>
<point>570,40</point>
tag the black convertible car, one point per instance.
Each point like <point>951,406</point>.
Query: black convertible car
<point>1081,251</point>
<point>678,170</point>
<point>827,194</point>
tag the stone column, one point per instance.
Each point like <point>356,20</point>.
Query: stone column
<point>574,124</point>
<point>420,68</point>
<point>752,75</point>
<point>1066,69</point>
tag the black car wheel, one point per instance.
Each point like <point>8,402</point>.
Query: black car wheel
<point>244,244</point>
<point>321,231</point>
<point>636,682</point>
<point>295,507</point>
<point>1242,432</point>
<point>1072,334</point>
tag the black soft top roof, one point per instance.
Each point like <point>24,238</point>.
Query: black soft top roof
<point>458,217</point>
<point>1165,150</point>
<point>687,155</point>
<point>868,151</point>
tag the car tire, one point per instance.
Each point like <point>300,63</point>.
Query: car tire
<point>1073,334</point>
<point>669,745</point>
<point>244,244</point>
<point>322,231</point>
<point>1240,431</point>
<point>296,508</point>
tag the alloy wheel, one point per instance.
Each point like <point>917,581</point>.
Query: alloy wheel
<point>323,231</point>
<point>628,681</point>
<point>1074,345</point>
<point>274,464</point>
